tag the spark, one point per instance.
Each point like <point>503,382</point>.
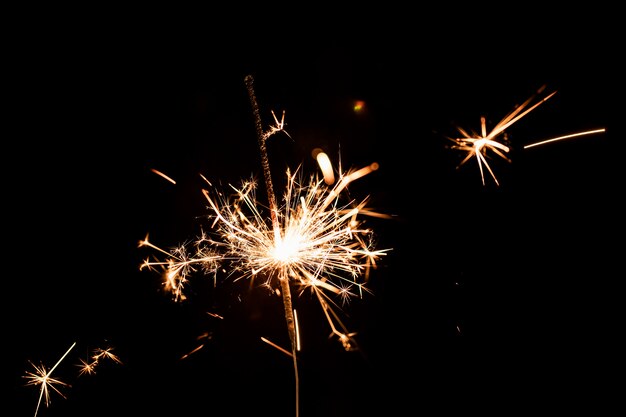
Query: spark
<point>206,336</point>
<point>107,354</point>
<point>217,316</point>
<point>573,135</point>
<point>89,367</point>
<point>285,351</point>
<point>314,240</point>
<point>194,350</point>
<point>478,145</point>
<point>163,175</point>
<point>86,367</point>
<point>43,378</point>
<point>278,127</point>
<point>180,263</point>
<point>295,315</point>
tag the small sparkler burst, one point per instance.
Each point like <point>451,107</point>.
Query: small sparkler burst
<point>482,145</point>
<point>42,376</point>
<point>313,241</point>
<point>88,367</point>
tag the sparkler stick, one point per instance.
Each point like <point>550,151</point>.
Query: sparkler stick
<point>283,278</point>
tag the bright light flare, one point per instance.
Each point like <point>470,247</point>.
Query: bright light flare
<point>358,106</point>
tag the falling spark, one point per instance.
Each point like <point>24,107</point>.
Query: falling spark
<point>43,378</point>
<point>312,241</point>
<point>206,336</point>
<point>163,175</point>
<point>295,315</point>
<point>477,145</point>
<point>217,316</point>
<point>573,135</point>
<point>285,351</point>
<point>186,355</point>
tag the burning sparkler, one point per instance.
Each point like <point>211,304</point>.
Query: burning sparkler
<point>312,241</point>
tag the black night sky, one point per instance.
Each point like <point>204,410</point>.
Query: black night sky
<point>493,299</point>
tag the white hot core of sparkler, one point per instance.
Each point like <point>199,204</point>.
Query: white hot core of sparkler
<point>285,251</point>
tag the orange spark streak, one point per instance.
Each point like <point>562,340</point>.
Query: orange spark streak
<point>163,175</point>
<point>573,135</point>
<point>285,351</point>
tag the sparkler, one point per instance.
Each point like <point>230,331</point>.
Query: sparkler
<point>478,145</point>
<point>312,241</point>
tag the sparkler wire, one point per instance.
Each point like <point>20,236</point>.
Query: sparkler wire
<point>283,278</point>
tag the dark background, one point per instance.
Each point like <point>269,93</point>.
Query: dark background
<point>492,299</point>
